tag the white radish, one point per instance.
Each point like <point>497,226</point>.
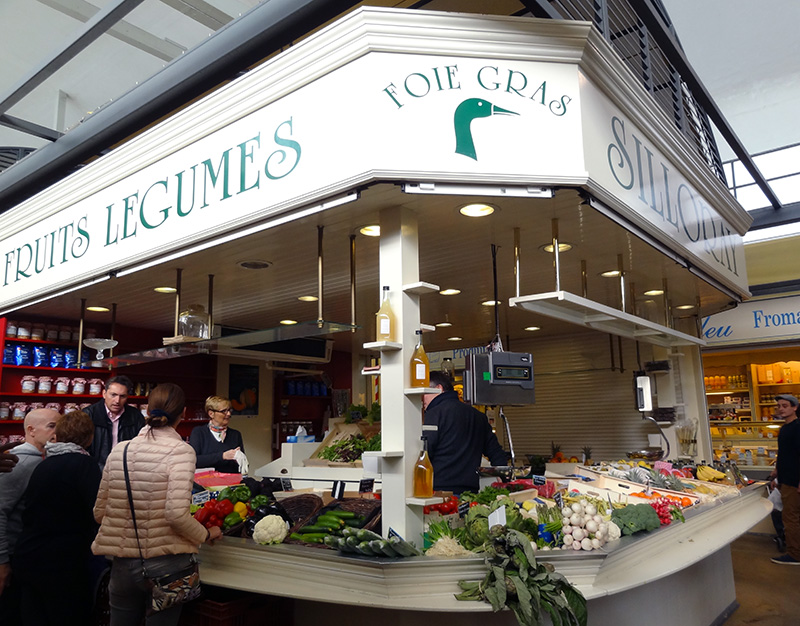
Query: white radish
<point>578,533</point>
<point>566,511</point>
<point>591,510</point>
<point>576,520</point>
<point>576,545</point>
<point>564,521</point>
<point>586,544</point>
<point>596,543</point>
<point>577,507</point>
<point>566,529</point>
<point>591,526</point>
<point>568,539</point>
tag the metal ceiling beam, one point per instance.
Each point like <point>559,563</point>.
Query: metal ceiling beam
<point>94,28</point>
<point>29,127</point>
<point>244,42</point>
<point>659,31</point>
<point>767,217</point>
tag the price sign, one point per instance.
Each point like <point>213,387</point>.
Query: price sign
<point>559,500</point>
<point>539,480</point>
<point>286,484</point>
<point>366,485</point>
<point>337,491</point>
<point>498,516</point>
<point>393,533</point>
<point>201,497</point>
<point>463,508</point>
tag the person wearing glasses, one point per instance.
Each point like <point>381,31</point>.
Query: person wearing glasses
<point>216,445</point>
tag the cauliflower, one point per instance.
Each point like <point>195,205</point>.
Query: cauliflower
<point>270,529</point>
<point>613,531</point>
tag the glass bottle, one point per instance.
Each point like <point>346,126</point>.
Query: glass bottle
<point>423,473</point>
<point>385,323</point>
<point>420,366</point>
<point>193,322</point>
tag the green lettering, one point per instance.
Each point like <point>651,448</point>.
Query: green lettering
<point>108,227</point>
<point>247,157</point>
<point>164,211</point>
<point>214,176</point>
<point>281,154</point>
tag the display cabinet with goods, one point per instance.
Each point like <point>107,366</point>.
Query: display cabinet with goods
<point>302,403</point>
<point>40,369</point>
<point>743,423</point>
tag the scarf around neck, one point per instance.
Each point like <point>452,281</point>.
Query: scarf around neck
<point>63,447</point>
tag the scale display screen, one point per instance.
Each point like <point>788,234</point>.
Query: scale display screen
<point>502,372</point>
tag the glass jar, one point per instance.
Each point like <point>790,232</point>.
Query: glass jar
<point>193,322</point>
<point>95,386</point>
<point>51,332</point>
<point>18,410</point>
<point>5,410</point>
<point>37,332</point>
<point>11,328</point>
<point>29,384</point>
<point>62,385</point>
<point>24,330</point>
<point>78,386</point>
<point>64,333</point>
<point>55,406</point>
<point>45,384</point>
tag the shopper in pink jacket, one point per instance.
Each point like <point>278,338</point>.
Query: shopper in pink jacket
<point>161,469</point>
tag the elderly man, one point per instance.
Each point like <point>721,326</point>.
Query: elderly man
<point>40,425</point>
<point>787,471</point>
<point>114,421</point>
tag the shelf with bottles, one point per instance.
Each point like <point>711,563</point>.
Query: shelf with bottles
<point>744,423</point>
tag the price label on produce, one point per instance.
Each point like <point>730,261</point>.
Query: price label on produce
<point>539,480</point>
<point>498,516</point>
<point>201,496</point>
<point>337,491</point>
<point>463,509</point>
<point>286,484</point>
<point>559,500</point>
<point>366,485</point>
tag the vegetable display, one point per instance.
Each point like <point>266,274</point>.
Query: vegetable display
<point>350,449</point>
<point>270,529</point>
<point>515,580</point>
<point>635,517</point>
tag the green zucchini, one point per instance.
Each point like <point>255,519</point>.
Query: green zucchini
<point>331,541</point>
<point>367,535</point>
<point>352,542</point>
<point>364,548</point>
<point>339,513</point>
<point>355,522</point>
<point>330,520</point>
<point>381,547</point>
<point>349,532</point>
<point>343,545</point>
<point>316,528</point>
<point>403,548</point>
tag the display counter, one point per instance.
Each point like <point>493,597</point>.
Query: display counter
<point>682,571</point>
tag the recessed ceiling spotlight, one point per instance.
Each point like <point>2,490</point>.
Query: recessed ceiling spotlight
<point>443,324</point>
<point>254,265</point>
<point>654,292</point>
<point>562,247</point>
<point>454,339</point>
<point>532,328</point>
<point>98,309</point>
<point>370,230</point>
<point>476,210</point>
<point>288,322</point>
<point>307,298</point>
<point>610,274</point>
<point>490,303</point>
<point>685,307</point>
<point>165,289</point>
<point>450,292</point>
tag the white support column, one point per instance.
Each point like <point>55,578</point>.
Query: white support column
<point>401,418</point>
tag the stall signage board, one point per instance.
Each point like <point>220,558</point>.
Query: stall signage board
<point>650,189</point>
<point>776,319</point>
<point>401,116</point>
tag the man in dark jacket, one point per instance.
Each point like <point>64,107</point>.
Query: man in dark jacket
<point>787,471</point>
<point>458,436</point>
<point>114,421</point>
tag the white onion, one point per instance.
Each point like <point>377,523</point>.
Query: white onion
<point>577,507</point>
<point>578,534</point>
<point>596,543</point>
<point>600,535</point>
<point>586,544</point>
<point>545,548</point>
<point>591,510</point>
<point>598,519</point>
<point>566,511</point>
<point>576,545</point>
<point>576,520</point>
<point>568,540</point>
<point>564,521</point>
<point>566,529</point>
<point>602,527</point>
<point>591,526</point>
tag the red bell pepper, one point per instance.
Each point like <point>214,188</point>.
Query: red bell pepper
<point>202,515</point>
<point>224,508</point>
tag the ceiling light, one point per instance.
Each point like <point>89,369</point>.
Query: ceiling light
<point>685,307</point>
<point>165,289</point>
<point>654,292</point>
<point>254,265</point>
<point>288,322</point>
<point>443,324</point>
<point>371,230</point>
<point>476,210</point>
<point>532,328</point>
<point>562,247</point>
<point>450,292</point>
<point>490,303</point>
<point>98,309</point>
<point>610,274</point>
<point>308,298</point>
<point>454,339</point>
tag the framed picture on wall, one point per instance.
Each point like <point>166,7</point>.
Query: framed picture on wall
<point>243,389</point>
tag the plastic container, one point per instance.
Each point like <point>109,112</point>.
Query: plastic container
<point>95,386</point>
<point>62,385</point>
<point>28,384</point>
<point>45,384</point>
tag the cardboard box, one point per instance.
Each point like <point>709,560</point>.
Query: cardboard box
<point>618,485</point>
<point>338,431</point>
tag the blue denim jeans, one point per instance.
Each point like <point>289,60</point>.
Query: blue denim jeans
<point>129,593</point>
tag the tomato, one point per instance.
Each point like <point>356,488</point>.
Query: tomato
<point>426,510</point>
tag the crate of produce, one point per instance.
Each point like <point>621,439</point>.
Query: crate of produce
<point>367,516</point>
<point>339,431</point>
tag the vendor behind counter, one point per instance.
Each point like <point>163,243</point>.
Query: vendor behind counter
<point>216,444</point>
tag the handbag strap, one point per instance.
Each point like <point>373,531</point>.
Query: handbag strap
<point>130,499</point>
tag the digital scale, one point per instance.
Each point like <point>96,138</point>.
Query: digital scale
<point>499,378</point>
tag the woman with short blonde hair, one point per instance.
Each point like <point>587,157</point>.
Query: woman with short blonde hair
<point>216,444</point>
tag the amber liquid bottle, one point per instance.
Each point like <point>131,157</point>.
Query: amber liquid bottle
<point>423,473</point>
<point>385,323</point>
<point>420,366</point>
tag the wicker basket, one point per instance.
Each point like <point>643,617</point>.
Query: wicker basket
<point>302,507</point>
<point>370,509</point>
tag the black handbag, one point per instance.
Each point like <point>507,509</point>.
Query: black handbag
<point>167,590</point>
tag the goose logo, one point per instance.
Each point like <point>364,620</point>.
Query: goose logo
<point>469,110</point>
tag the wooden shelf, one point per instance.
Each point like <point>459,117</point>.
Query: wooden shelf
<point>45,369</point>
<point>420,288</point>
<point>748,423</point>
<point>43,342</point>
<point>383,346</point>
<point>65,396</point>
<point>722,392</point>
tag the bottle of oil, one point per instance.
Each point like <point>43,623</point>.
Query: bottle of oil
<point>385,321</point>
<point>423,473</point>
<point>420,366</point>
